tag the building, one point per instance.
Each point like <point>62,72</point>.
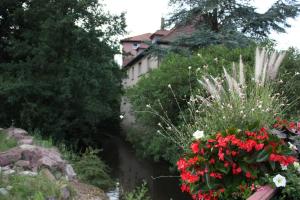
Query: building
<point>137,63</point>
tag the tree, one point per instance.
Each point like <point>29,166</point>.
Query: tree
<point>231,22</point>
<point>57,72</point>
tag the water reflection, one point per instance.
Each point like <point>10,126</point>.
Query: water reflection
<point>131,171</point>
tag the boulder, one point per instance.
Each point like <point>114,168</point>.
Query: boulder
<point>46,173</point>
<point>28,173</point>
<point>11,156</point>
<point>3,192</point>
<point>69,171</point>
<point>16,133</point>
<point>24,164</point>
<point>27,140</point>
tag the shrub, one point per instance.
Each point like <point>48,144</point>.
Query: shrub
<point>139,193</point>
<point>91,169</point>
<point>40,187</point>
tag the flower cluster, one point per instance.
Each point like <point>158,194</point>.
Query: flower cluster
<point>231,159</point>
<point>291,126</point>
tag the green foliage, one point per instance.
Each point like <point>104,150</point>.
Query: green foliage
<point>139,193</point>
<point>40,187</point>
<point>57,69</point>
<point>290,76</point>
<point>292,189</point>
<point>91,169</point>
<point>230,21</point>
<point>6,143</point>
<point>153,90</point>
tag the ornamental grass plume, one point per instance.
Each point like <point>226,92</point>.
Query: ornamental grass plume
<point>239,100</point>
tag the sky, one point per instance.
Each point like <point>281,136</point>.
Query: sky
<point>144,16</point>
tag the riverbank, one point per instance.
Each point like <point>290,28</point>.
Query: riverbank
<point>31,171</point>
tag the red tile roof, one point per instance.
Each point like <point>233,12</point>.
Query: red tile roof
<point>160,33</point>
<point>178,31</point>
<point>138,38</point>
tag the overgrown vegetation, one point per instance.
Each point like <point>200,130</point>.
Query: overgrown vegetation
<point>29,187</point>
<point>91,169</point>
<point>139,193</point>
<point>57,72</point>
<point>6,143</point>
<point>174,70</point>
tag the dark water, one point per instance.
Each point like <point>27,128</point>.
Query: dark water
<point>131,171</point>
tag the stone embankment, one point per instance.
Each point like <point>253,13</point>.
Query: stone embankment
<point>30,159</point>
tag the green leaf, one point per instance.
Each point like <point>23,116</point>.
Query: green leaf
<point>262,156</point>
<point>207,179</point>
<point>273,165</point>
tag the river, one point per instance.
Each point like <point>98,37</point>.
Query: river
<point>130,171</point>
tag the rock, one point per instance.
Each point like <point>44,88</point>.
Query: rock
<point>28,173</point>
<point>87,192</point>
<point>69,171</point>
<point>16,133</point>
<point>24,164</point>
<point>28,147</point>
<point>9,187</point>
<point>47,174</point>
<point>3,192</point>
<point>8,172</point>
<point>28,140</point>
<point>10,156</point>
<point>65,192</point>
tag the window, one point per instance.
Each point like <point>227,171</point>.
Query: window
<point>135,45</point>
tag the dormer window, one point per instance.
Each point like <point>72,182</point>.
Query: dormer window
<point>135,45</point>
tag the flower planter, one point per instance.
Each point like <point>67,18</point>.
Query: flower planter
<point>264,193</point>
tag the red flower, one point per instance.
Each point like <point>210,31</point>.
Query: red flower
<point>248,174</point>
<point>221,154</point>
<point>190,178</point>
<point>195,147</point>
<point>233,153</point>
<point>193,160</point>
<point>185,188</point>
<point>259,147</point>
<point>212,161</point>
<point>182,164</point>
<point>216,175</point>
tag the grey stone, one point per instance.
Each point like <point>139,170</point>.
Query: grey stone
<point>28,173</point>
<point>47,174</point>
<point>65,192</point>
<point>8,172</point>
<point>16,133</point>
<point>69,171</point>
<point>3,192</point>
<point>24,164</point>
<point>10,156</point>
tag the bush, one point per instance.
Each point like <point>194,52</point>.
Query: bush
<point>91,169</point>
<point>27,187</point>
<point>139,193</point>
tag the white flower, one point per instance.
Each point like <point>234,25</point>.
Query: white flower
<point>198,134</point>
<point>279,180</point>
<point>148,106</point>
<point>291,146</point>
<point>283,167</point>
<point>121,116</point>
<point>296,165</point>
<point>190,67</point>
<point>169,85</point>
<point>297,73</point>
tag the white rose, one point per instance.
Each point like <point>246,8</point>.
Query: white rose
<point>198,134</point>
<point>279,180</point>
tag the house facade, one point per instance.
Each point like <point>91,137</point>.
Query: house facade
<point>137,63</point>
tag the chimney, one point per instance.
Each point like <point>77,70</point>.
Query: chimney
<point>162,24</point>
